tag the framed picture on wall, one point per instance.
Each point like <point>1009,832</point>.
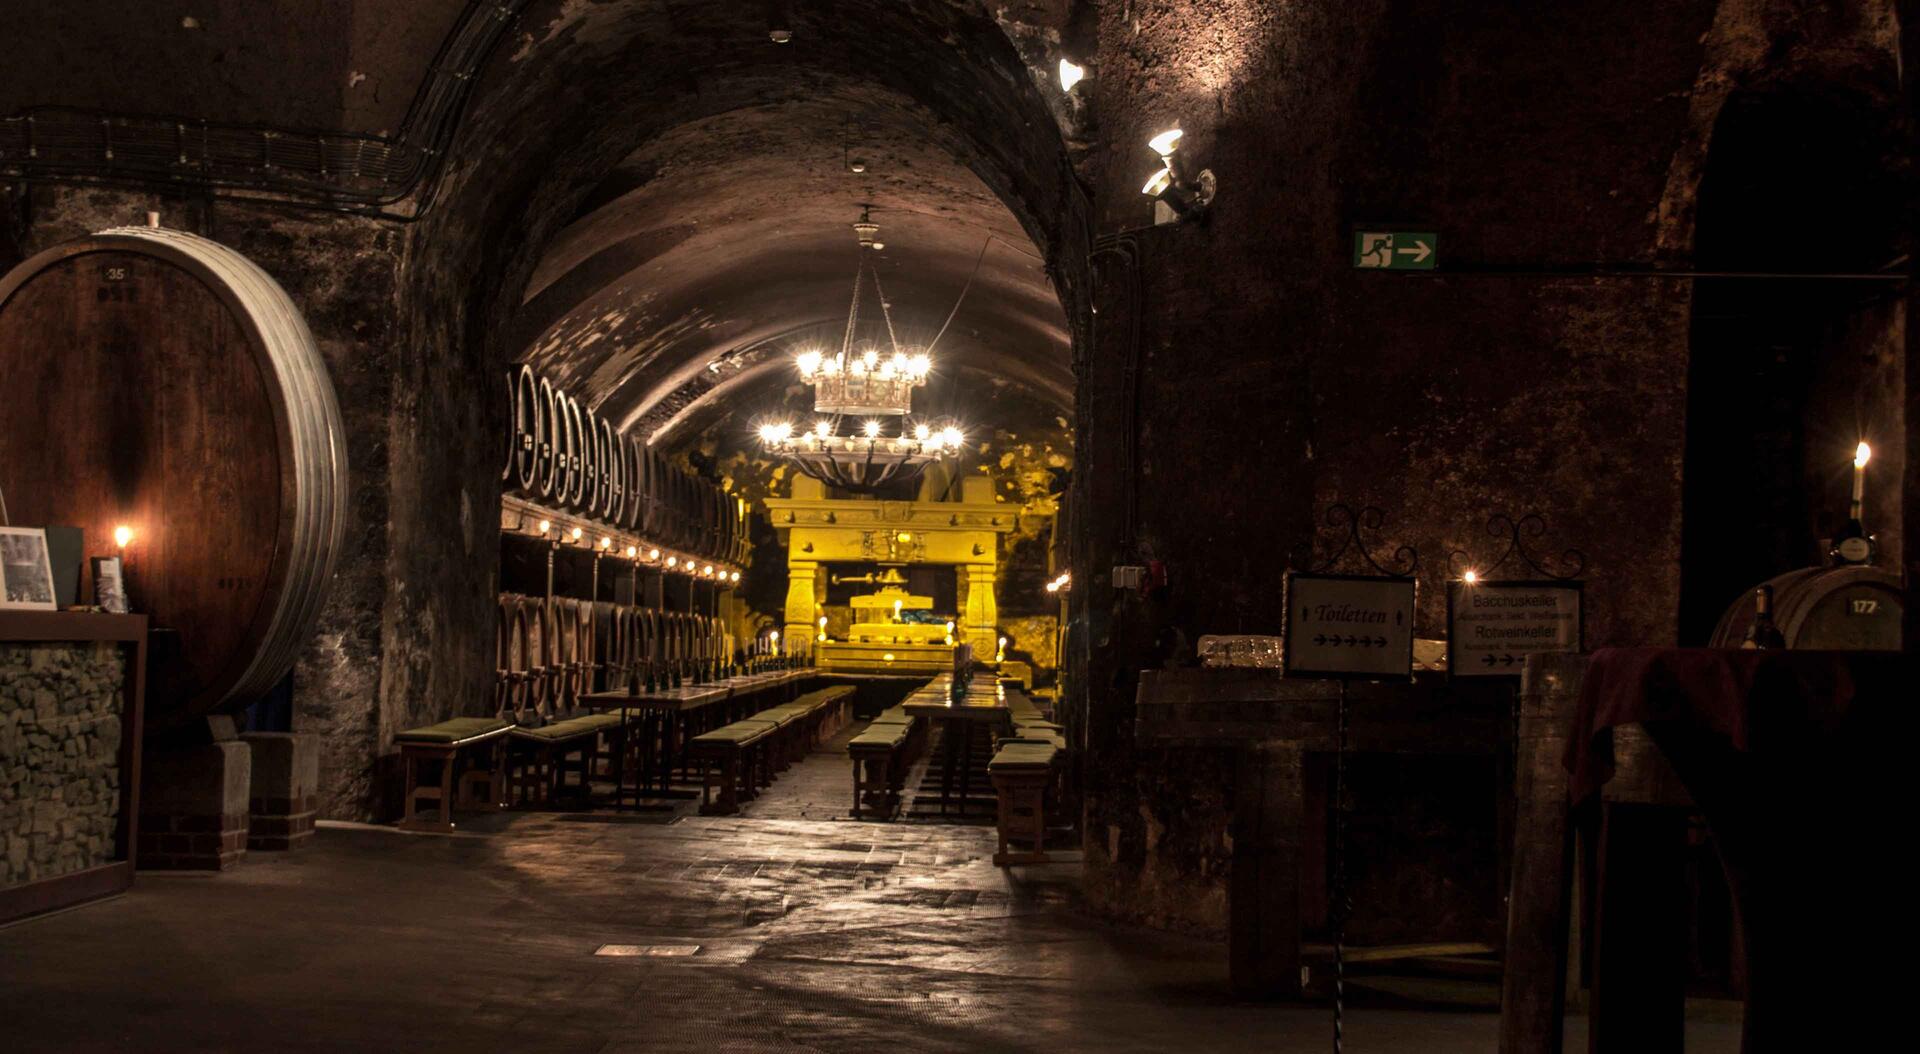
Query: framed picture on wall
<point>26,574</point>
<point>109,585</point>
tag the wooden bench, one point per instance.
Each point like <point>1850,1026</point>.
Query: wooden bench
<point>1023,772</point>
<point>446,743</point>
<point>732,760</point>
<point>739,758</point>
<point>552,749</point>
<point>879,767</point>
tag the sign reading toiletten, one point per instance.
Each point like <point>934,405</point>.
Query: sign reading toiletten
<point>1493,626</point>
<point>1349,626</point>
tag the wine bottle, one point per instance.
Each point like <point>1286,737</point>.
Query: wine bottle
<point>1853,545</point>
<point>1761,632</point>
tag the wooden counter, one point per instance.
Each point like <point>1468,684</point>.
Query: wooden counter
<point>130,632</point>
<point>1273,722</point>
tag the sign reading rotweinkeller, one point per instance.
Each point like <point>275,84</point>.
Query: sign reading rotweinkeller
<point>1349,626</point>
<point>1493,626</point>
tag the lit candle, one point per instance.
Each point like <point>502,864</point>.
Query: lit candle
<point>1861,454</point>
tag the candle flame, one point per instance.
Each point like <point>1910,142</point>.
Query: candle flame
<point>1861,454</point>
<point>122,535</point>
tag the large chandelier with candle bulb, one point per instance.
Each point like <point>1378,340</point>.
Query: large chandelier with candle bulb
<point>872,382</point>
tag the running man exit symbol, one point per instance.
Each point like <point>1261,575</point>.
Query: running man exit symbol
<point>1396,250</point>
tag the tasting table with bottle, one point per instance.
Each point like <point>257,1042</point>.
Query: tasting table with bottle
<point>1796,759</point>
<point>980,708</point>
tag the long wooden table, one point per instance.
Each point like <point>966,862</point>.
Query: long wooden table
<point>674,715</point>
<point>982,707</point>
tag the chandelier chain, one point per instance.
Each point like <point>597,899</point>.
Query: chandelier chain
<point>885,312</point>
<point>853,307</point>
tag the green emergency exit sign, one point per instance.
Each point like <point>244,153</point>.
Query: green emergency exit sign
<point>1396,250</point>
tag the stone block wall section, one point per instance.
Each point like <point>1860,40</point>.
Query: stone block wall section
<point>286,779</point>
<point>193,806</point>
<point>59,758</point>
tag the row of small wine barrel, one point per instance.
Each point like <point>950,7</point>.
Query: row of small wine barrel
<point>552,650</point>
<point>561,453</point>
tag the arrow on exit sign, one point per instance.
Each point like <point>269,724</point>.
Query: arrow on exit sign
<point>1396,250</point>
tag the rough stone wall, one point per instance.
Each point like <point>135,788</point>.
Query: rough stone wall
<point>1244,376</point>
<point>59,758</point>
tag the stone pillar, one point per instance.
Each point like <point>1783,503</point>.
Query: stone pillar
<point>286,777</point>
<point>797,637</point>
<point>980,623</point>
<point>193,800</point>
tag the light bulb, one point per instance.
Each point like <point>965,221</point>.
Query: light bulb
<point>921,432</point>
<point>1861,455</point>
<point>122,535</point>
<point>707,570</point>
<point>545,526</point>
<point>653,554</point>
<point>920,364</point>
<point>1157,183</point>
<point>899,362</point>
<point>632,551</point>
<point>735,576</point>
<point>1166,142</point>
<point>951,437</point>
<point>809,363</point>
<point>823,428</point>
<point>823,622</point>
<point>775,432</point>
<point>1470,577</point>
<point>577,532</point>
<point>870,357</point>
<point>1070,75</point>
<point>673,561</point>
<point>606,543</point>
<point>872,429</point>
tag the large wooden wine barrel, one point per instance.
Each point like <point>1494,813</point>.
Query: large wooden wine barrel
<point>1838,608</point>
<point>162,381</point>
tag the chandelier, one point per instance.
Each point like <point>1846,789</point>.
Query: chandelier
<point>869,380</point>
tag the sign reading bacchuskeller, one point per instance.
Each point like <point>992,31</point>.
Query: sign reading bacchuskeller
<point>1493,626</point>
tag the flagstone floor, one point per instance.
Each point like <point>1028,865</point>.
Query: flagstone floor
<point>788,928</point>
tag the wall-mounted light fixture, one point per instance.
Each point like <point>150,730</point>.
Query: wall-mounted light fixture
<point>121,536</point>
<point>1071,74</point>
<point>1186,193</point>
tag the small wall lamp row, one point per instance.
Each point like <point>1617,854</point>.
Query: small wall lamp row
<point>574,534</point>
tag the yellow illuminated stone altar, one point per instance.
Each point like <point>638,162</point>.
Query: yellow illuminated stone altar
<point>963,534</point>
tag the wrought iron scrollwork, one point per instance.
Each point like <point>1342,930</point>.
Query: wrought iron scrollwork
<point>1348,524</point>
<point>1572,562</point>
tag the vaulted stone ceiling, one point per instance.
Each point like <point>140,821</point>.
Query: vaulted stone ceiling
<point>720,245</point>
<point>650,199</point>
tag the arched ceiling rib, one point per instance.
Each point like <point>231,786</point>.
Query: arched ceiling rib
<point>727,240</point>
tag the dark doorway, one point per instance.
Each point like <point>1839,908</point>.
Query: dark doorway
<point>1786,375</point>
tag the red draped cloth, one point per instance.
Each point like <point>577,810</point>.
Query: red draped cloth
<point>1800,762</point>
